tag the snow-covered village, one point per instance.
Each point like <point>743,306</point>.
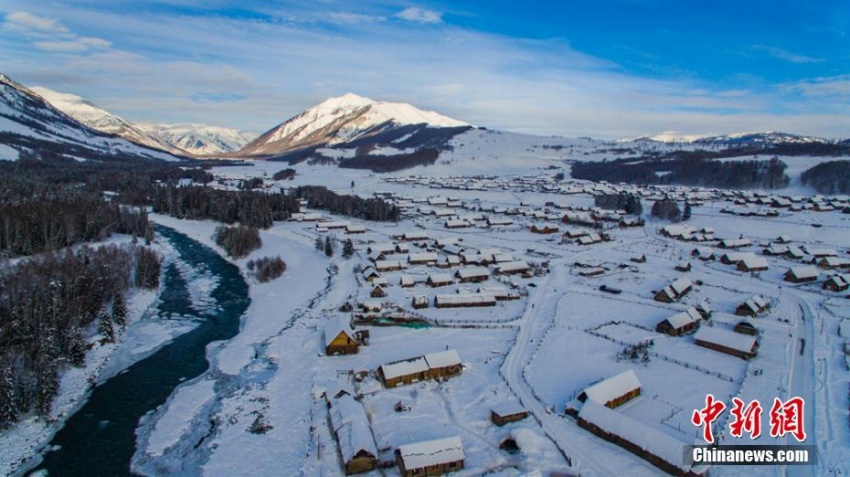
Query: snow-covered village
<point>607,278</point>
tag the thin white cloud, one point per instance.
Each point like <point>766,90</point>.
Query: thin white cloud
<point>785,55</point>
<point>830,87</point>
<point>33,23</point>
<point>347,18</point>
<point>420,15</point>
<point>50,35</point>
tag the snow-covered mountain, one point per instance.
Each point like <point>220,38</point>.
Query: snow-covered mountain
<point>102,120</point>
<point>350,119</point>
<point>199,139</point>
<point>30,124</point>
<point>736,139</point>
<point>768,137</point>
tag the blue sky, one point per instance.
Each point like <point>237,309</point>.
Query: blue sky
<point>605,68</point>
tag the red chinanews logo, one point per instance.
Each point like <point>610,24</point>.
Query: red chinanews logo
<point>785,418</point>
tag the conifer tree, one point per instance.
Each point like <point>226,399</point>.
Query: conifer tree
<point>348,249</point>
<point>329,247</point>
<point>104,327</point>
<point>119,310</point>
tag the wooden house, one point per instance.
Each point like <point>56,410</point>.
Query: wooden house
<point>832,263</point>
<point>430,458</point>
<point>340,339</point>
<point>510,268</point>
<point>734,243</point>
<point>414,236</point>
<point>753,263</point>
<point>456,223</point>
<point>443,364</point>
<point>753,306</point>
<point>775,250</point>
<point>675,291</point>
<point>680,323</point>
<point>837,283</point>
<point>389,265</point>
<point>544,229</point>
<point>357,450</point>
<point>377,292</point>
<point>439,280</point>
<point>614,391</point>
<point>420,301</point>
<point>745,327</point>
<point>355,229</point>
<point>589,239</point>
<point>733,258</point>
<point>683,267</point>
<point>406,371</point>
<point>472,274</point>
<point>639,258</point>
<point>801,274</point>
<point>702,253</point>
<point>423,258</point>
<point>464,300</point>
<point>726,341</point>
<point>501,415</point>
<point>407,281</point>
<point>369,273</point>
<point>592,272</point>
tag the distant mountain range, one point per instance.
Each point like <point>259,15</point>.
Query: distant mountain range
<point>29,125</point>
<point>181,139</point>
<point>736,139</point>
<point>348,131</point>
<point>200,139</point>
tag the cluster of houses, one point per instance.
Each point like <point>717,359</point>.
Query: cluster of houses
<point>358,452</point>
<point>725,341</point>
<point>596,411</point>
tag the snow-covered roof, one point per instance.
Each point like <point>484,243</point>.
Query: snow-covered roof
<point>388,264</point>
<point>439,451</point>
<point>422,257</point>
<point>351,426</point>
<point>404,367</point>
<point>648,438</point>
<point>465,299</point>
<point>726,338</point>
<point>443,359</point>
<point>684,318</point>
<point>472,272</point>
<point>681,285</point>
<point>440,278</point>
<point>415,236</point>
<point>613,387</point>
<point>733,243</point>
<point>516,266</point>
<point>508,409</point>
<point>754,262</point>
<point>804,272</point>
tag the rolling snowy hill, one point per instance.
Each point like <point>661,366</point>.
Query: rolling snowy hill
<point>30,124</point>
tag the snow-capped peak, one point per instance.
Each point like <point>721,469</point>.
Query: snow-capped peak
<point>367,112</point>
<point>344,118</point>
